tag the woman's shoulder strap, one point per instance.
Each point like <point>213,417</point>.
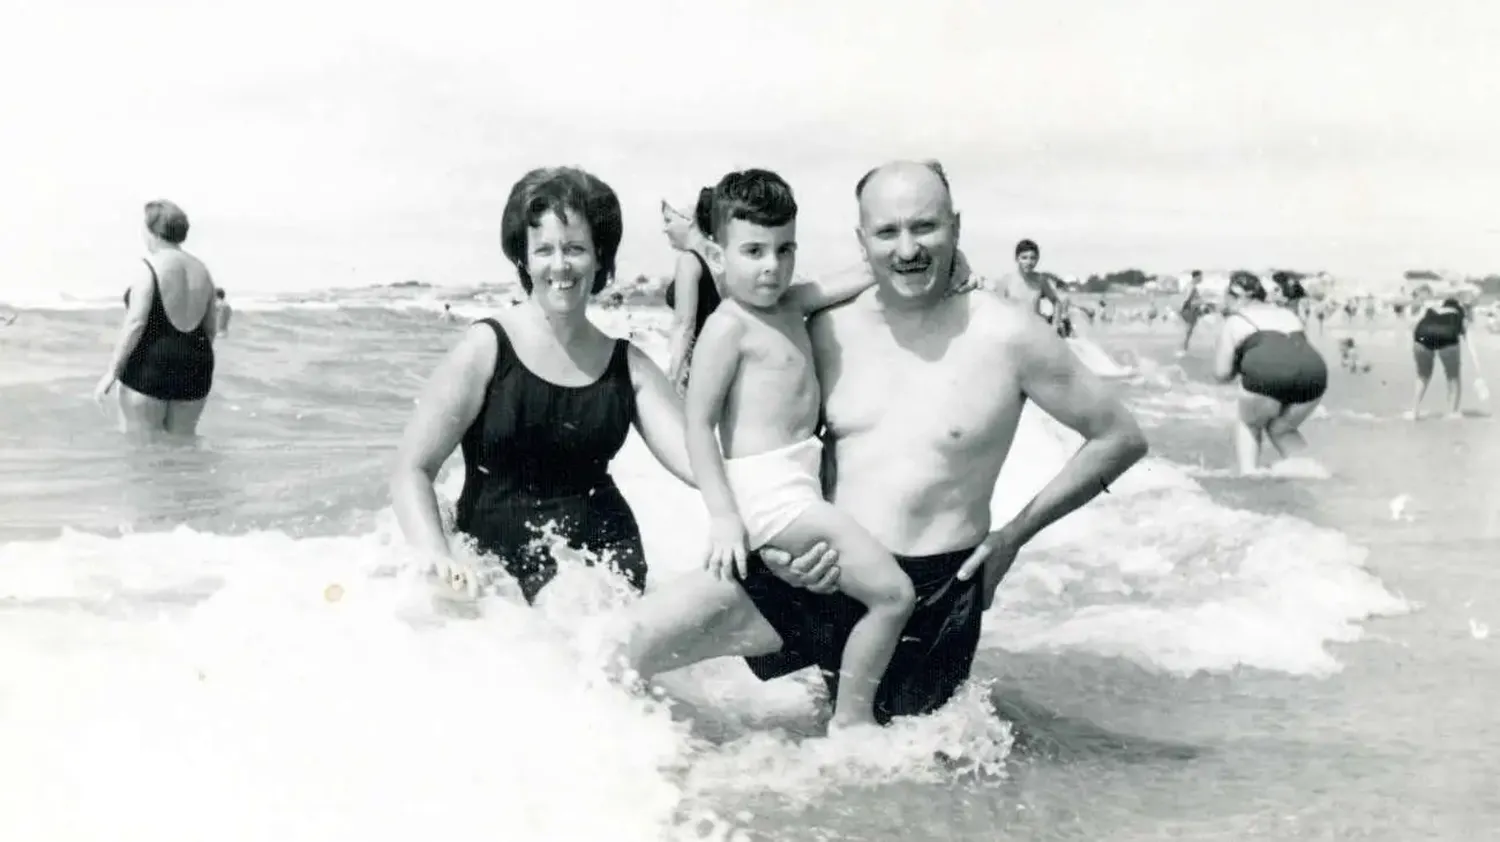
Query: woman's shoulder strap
<point>503,350</point>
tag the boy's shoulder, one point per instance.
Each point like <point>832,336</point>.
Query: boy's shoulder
<point>727,323</point>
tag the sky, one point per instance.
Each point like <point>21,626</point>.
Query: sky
<point>324,143</point>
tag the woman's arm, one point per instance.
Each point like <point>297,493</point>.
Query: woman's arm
<point>142,292</point>
<point>659,417</point>
<point>211,316</point>
<point>685,296</point>
<point>449,403</point>
<point>1229,342</point>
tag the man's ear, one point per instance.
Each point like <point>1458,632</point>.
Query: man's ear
<point>859,237</point>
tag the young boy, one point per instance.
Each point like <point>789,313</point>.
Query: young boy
<point>752,379</point>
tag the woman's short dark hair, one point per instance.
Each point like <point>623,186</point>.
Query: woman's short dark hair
<point>166,221</point>
<point>561,190</point>
<point>1291,287</point>
<point>1247,285</point>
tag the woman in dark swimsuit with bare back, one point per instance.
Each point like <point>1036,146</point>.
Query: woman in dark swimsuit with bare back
<point>164,358</point>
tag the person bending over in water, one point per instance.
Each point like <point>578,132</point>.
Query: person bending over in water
<point>165,372</point>
<point>753,380</point>
<point>1440,332</point>
<point>1282,376</point>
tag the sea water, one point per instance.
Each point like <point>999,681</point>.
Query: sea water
<point>226,641</point>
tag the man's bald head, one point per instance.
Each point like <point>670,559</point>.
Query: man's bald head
<point>910,174</point>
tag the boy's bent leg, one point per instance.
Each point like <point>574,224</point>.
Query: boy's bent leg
<point>690,619</point>
<point>871,576</point>
<point>868,571</point>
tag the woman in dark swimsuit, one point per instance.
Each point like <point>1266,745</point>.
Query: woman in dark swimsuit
<point>165,372</point>
<point>1282,376</point>
<point>1439,332</point>
<point>540,400</point>
<point>694,293</point>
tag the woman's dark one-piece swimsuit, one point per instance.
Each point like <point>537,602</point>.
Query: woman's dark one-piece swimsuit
<point>708,295</point>
<point>539,453</point>
<point>1284,367</point>
<point>708,301</point>
<point>1439,329</point>
<point>168,364</point>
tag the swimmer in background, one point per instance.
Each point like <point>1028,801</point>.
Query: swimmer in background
<point>1288,292</point>
<point>1028,285</point>
<point>1191,309</point>
<point>447,313</point>
<point>1440,332</point>
<point>1282,376</point>
<point>165,372</point>
<point>222,312</point>
<point>1062,317</point>
<point>754,383</point>
<point>694,292</point>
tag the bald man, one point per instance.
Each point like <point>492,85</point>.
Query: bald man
<point>917,471</point>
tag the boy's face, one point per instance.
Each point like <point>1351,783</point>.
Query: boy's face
<point>1027,260</point>
<point>757,262</point>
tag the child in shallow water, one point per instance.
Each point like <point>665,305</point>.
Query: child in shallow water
<point>754,392</point>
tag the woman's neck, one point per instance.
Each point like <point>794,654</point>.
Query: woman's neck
<point>566,327</point>
<point>694,241</point>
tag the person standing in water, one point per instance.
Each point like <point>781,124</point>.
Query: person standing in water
<point>754,388</point>
<point>1029,286</point>
<point>1440,332</point>
<point>223,311</point>
<point>1282,376</point>
<point>165,371</point>
<point>1192,308</point>
<point>694,293</point>
<point>540,400</point>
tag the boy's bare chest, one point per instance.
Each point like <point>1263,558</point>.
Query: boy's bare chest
<point>782,347</point>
